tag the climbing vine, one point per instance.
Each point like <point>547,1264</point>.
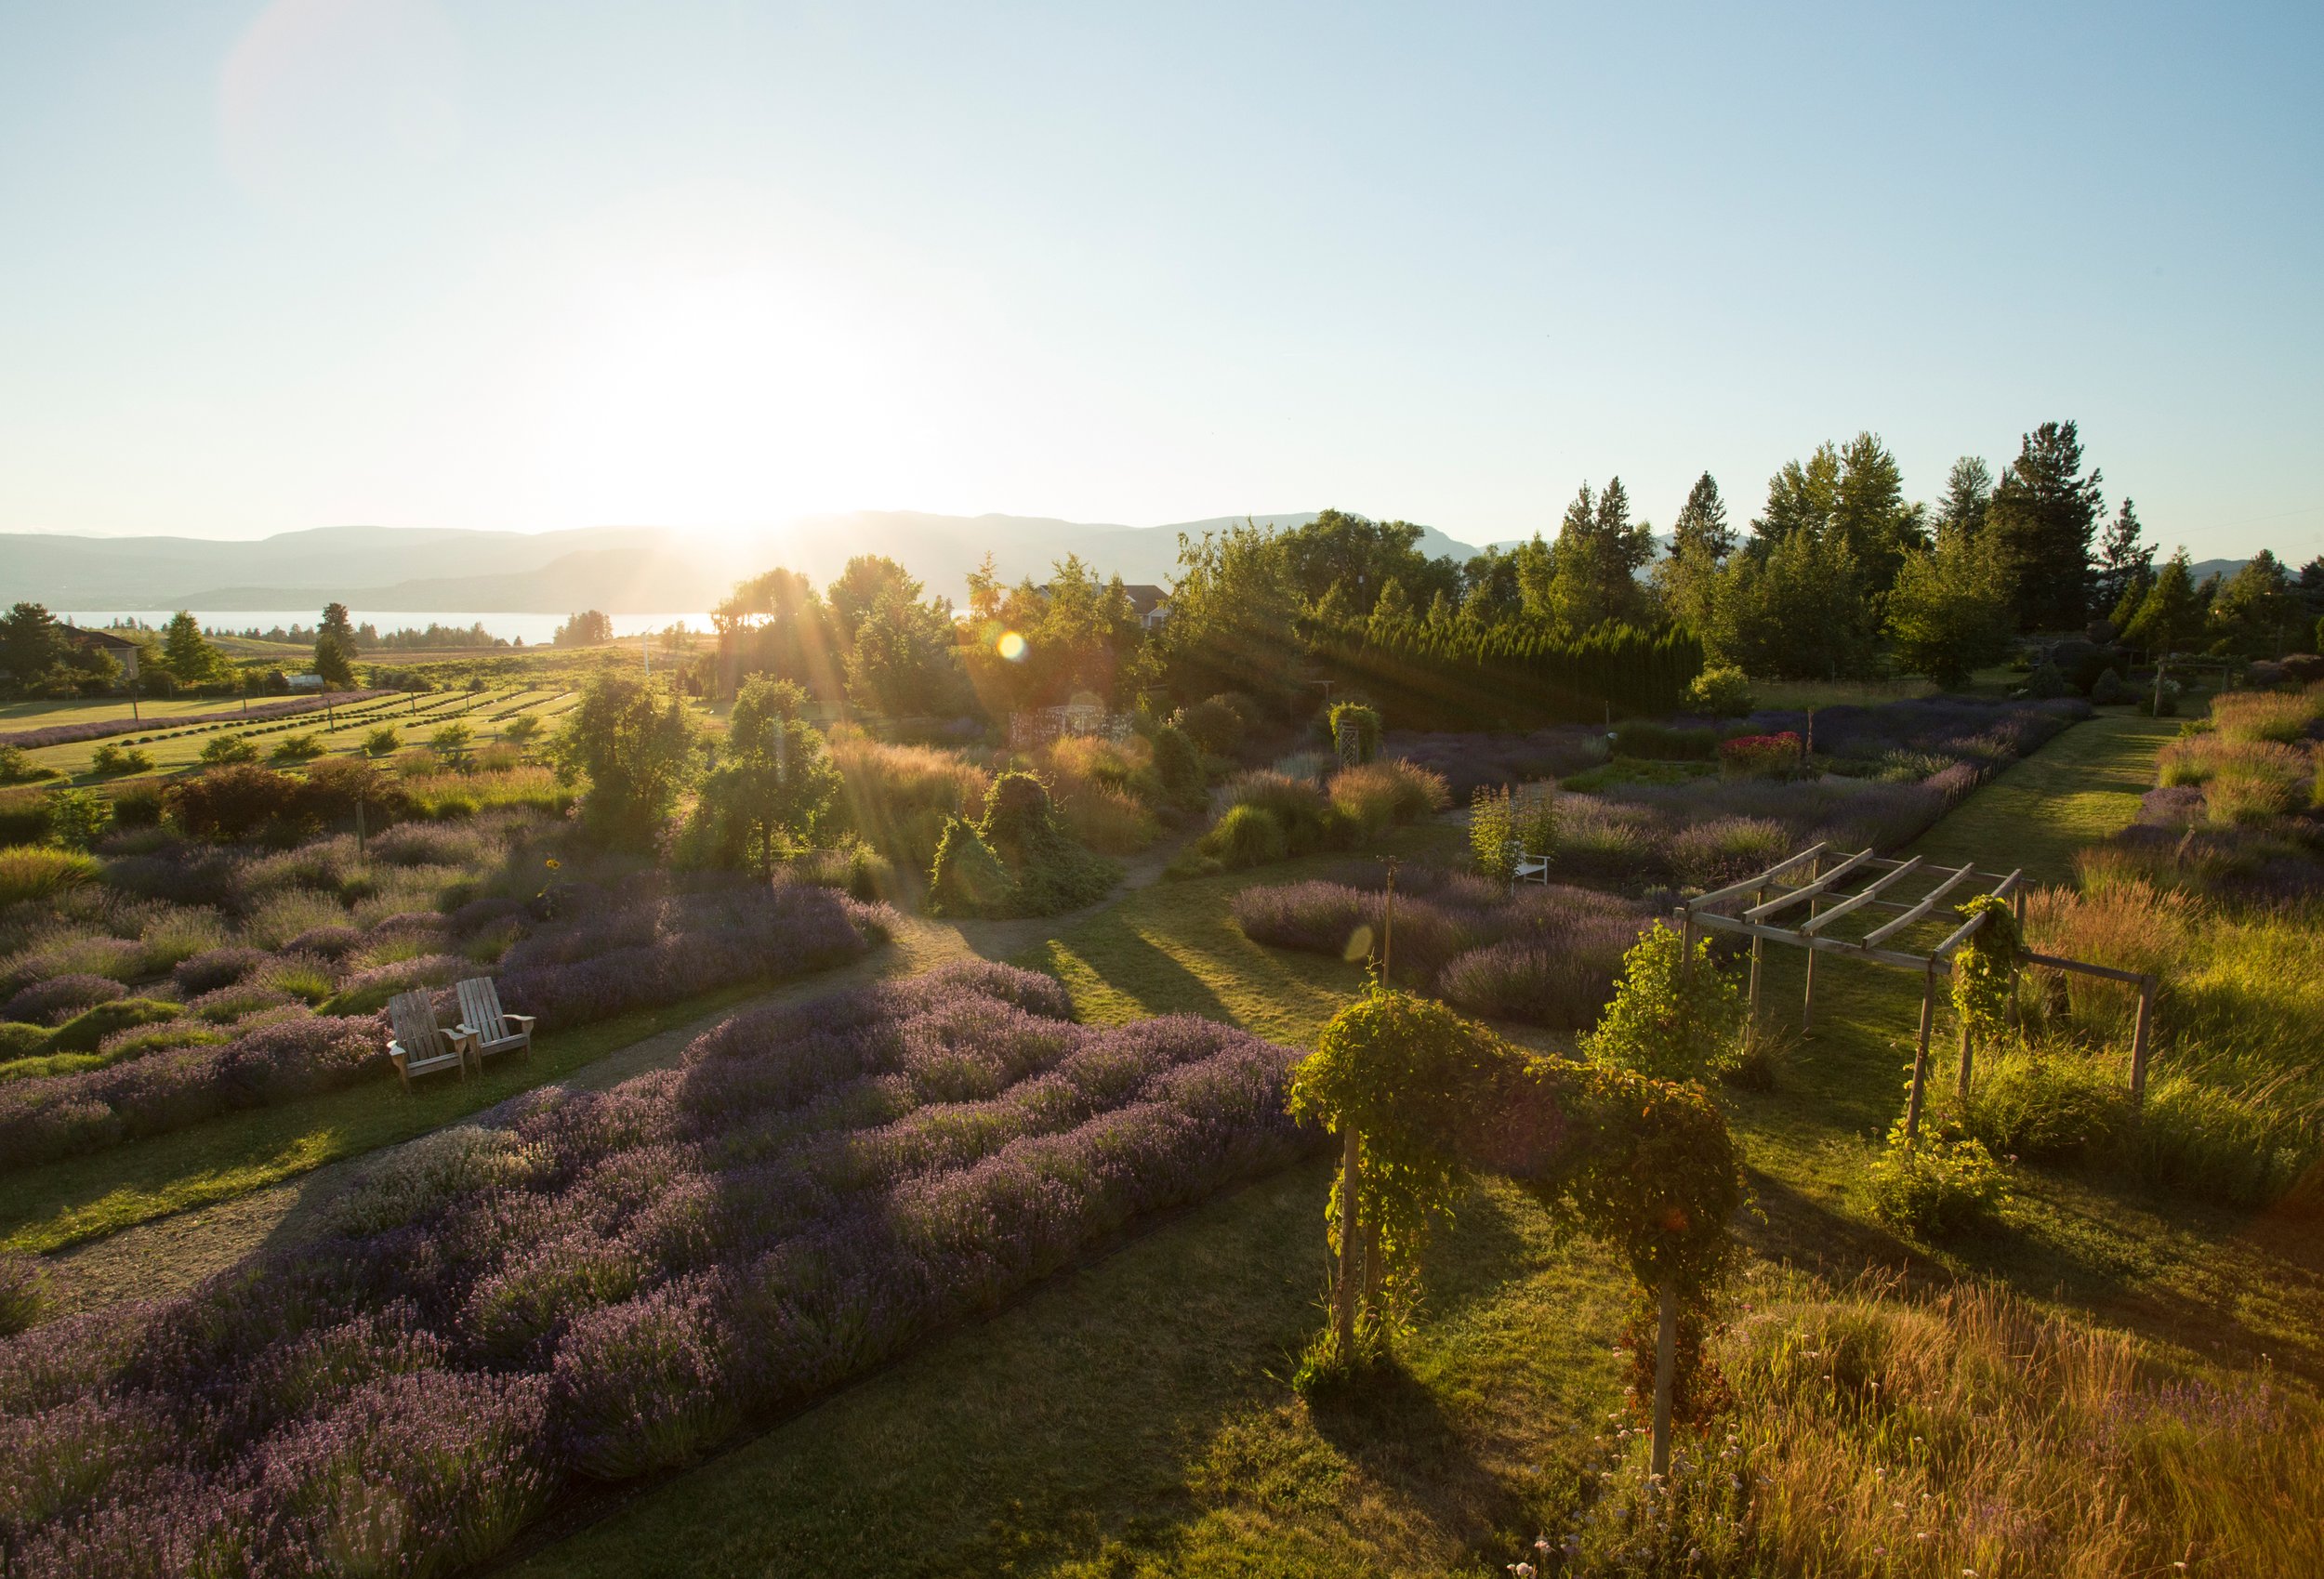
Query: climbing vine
<point>1646,1165</point>
<point>1985,968</point>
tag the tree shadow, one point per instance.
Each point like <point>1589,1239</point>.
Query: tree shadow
<point>1387,1423</point>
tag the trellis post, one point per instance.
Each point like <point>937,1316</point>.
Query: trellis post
<point>1666,1374</point>
<point>1921,1056</point>
<point>2140,1038</point>
<point>1758,944</point>
<point>1807,993</point>
<point>1686,942</point>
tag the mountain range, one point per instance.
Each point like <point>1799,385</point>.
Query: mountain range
<point>622,570</point>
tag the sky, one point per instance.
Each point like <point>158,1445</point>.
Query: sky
<point>534,264</point>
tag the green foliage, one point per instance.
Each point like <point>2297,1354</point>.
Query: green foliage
<point>230,803</point>
<point>2043,514</point>
<point>333,660</point>
<point>2047,684</point>
<point>1235,611</point>
<point>1178,764</point>
<point>186,654</point>
<point>19,1040</point>
<point>84,1030</point>
<point>1984,966</point>
<point>1668,1019</point>
<point>1214,725</point>
<point>452,742</point>
<point>1944,1183</point>
<point>2046,1104</point>
<point>1664,742</point>
<point>634,748</point>
<point>112,759</point>
<point>1719,691</point>
<point>225,750</point>
<point>776,789</point>
<point>1467,676</point>
<point>383,741</point>
<point>30,872</point>
<point>521,730</point>
<point>1795,606</point>
<point>1949,613</point>
<point>77,817</point>
<point>1504,824</point>
<point>293,749</point>
<point>2169,618</point>
<point>1018,859</point>
<point>17,767</point>
<point>2108,689</point>
<point>1354,732</point>
<point>902,660</point>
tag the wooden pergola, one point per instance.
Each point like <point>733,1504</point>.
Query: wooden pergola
<point>1824,908</point>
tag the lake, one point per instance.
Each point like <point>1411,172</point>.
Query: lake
<point>534,631</point>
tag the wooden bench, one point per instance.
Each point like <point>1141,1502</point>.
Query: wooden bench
<point>491,1028</point>
<point>419,1045</point>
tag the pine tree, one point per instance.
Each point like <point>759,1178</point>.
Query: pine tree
<point>2044,512</point>
<point>2256,611</point>
<point>330,661</point>
<point>1869,512</point>
<point>1967,495</point>
<point>2125,563</point>
<point>338,622</point>
<point>2171,616</point>
<point>187,653</point>
<point>1594,563</point>
<point>31,644</point>
<point>1702,524</point>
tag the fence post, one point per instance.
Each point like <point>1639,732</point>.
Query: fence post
<point>1666,1376</point>
<point>1686,942</point>
<point>2140,1038</point>
<point>1351,1179</point>
<point>1920,1057</point>
<point>1757,942</point>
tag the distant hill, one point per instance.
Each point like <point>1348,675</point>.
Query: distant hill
<point>620,570</point>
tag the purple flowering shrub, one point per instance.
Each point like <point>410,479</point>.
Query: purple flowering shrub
<point>70,734</point>
<point>1546,955</point>
<point>600,1284</point>
<point>59,998</point>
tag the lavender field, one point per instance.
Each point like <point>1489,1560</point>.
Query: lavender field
<point>590,1285</point>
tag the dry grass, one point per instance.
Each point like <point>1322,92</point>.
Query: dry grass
<point>2284,717</point>
<point>899,796</point>
<point>1974,1433</point>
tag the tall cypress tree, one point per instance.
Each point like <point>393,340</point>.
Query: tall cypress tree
<point>2043,514</point>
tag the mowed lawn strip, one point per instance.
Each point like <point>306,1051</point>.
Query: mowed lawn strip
<point>1134,1417</point>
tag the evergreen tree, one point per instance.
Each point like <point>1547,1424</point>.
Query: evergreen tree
<point>1949,611</point>
<point>1701,527</point>
<point>330,661</point>
<point>1594,564</point>
<point>2126,563</point>
<point>2044,512</point>
<point>1800,497</point>
<point>1869,512</point>
<point>31,644</point>
<point>338,622</point>
<point>2171,616</point>
<point>2257,613</point>
<point>1968,495</point>
<point>187,653</point>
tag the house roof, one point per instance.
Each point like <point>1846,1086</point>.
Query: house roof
<point>1144,596</point>
<point>99,638</point>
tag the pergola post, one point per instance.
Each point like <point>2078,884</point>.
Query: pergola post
<point>1758,943</point>
<point>2140,1039</point>
<point>1351,1248</point>
<point>1666,1374</point>
<point>1686,942</point>
<point>1921,1056</point>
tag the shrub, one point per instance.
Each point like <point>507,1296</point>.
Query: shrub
<point>1109,821</point>
<point>86,1031</point>
<point>232,802</point>
<point>227,750</point>
<point>1246,835</point>
<point>2044,1103</point>
<point>1943,1184</point>
<point>1727,849</point>
<point>1664,742</point>
<point>1215,725</point>
<point>382,742</point>
<point>1672,1017</point>
<point>112,761</point>
<point>16,768</point>
<point>1354,730</point>
<point>138,806</point>
<point>2108,689</point>
<point>76,817</point>
<point>28,873</point>
<point>1720,692</point>
<point>328,793</point>
<point>1046,870</point>
<point>59,998</point>
<point>1178,763</point>
<point>23,819</point>
<point>293,749</point>
<point>21,1040</point>
<point>2048,683</point>
<point>1380,795</point>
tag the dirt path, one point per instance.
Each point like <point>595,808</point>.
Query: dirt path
<point>170,1255</point>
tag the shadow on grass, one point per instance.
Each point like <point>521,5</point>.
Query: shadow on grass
<point>1390,1426</point>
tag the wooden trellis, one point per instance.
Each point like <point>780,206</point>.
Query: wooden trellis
<point>1864,886</point>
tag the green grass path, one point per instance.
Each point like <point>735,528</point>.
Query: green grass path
<point>2082,787</point>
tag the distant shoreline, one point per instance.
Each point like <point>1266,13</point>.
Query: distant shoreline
<point>535,629</point>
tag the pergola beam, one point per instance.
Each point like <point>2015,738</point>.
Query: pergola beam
<point>1880,934</point>
<point>1808,941</point>
<point>1857,901</point>
<point>1810,890</point>
<point>1736,890</point>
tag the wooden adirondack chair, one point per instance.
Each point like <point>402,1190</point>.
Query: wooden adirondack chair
<point>419,1046</point>
<point>494,1029</point>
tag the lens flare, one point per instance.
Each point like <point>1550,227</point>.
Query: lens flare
<point>1359,944</point>
<point>1010,646</point>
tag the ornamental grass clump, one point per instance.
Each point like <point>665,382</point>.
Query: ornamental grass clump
<point>603,1283</point>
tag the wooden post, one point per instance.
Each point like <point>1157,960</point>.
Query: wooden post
<point>1666,1376</point>
<point>1374,1273</point>
<point>1962,1090</point>
<point>1351,1179</point>
<point>1807,995</point>
<point>2140,1039</point>
<point>1686,942</point>
<point>1758,895</point>
<point>1388,925</point>
<point>1920,1057</point>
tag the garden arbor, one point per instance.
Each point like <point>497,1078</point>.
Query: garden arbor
<point>1815,900</point>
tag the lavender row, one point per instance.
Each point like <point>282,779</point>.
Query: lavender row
<point>70,734</point>
<point>606,1284</point>
<point>1545,955</point>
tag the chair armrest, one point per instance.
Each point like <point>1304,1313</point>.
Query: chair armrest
<point>459,1034</point>
<point>529,1020</point>
<point>396,1055</point>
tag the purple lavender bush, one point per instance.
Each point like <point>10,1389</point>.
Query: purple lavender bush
<point>599,1285</point>
<point>59,998</point>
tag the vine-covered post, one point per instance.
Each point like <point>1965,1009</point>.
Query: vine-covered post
<point>1350,1183</point>
<point>1666,1374</point>
<point>1921,1056</point>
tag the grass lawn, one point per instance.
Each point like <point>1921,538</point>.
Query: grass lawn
<point>1134,1417</point>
